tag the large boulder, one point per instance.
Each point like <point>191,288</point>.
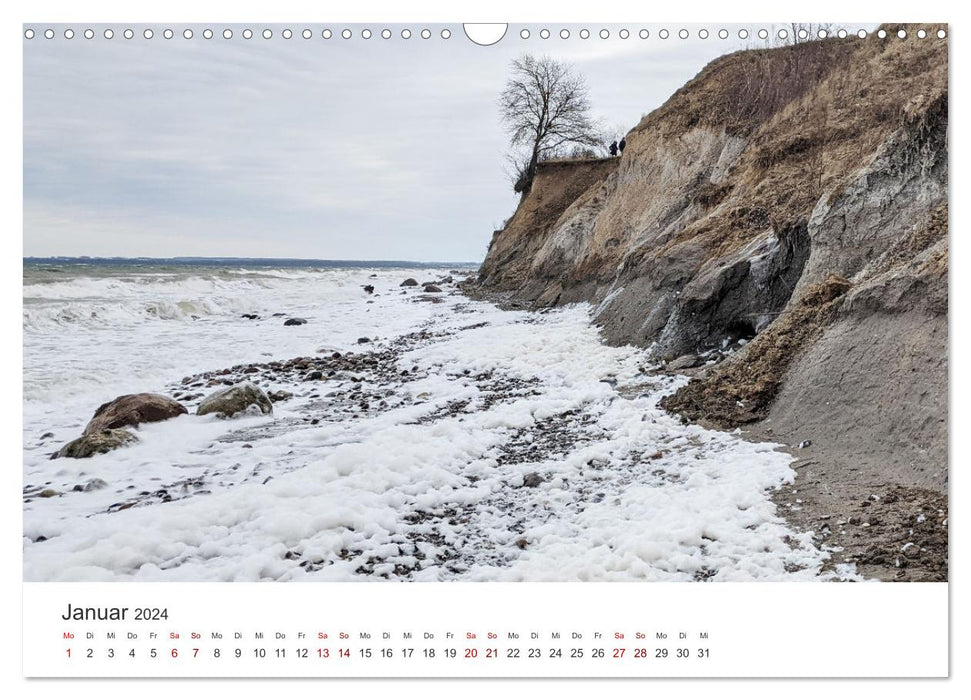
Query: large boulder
<point>133,409</point>
<point>96,443</point>
<point>237,399</point>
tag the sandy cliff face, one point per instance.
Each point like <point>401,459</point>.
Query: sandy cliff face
<point>784,215</point>
<point>559,191</point>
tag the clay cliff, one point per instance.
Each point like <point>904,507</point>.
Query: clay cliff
<point>778,231</point>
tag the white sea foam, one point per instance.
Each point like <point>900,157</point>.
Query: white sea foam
<point>632,495</point>
<point>97,337</point>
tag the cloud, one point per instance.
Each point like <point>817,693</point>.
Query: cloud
<point>358,149</point>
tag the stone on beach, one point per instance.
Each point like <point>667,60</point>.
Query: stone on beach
<point>96,443</point>
<point>410,282</point>
<point>294,322</point>
<point>95,485</point>
<point>132,410</point>
<point>430,288</point>
<point>233,400</point>
<point>532,480</point>
<point>684,362</point>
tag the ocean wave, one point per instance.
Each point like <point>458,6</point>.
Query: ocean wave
<point>100,301</point>
<point>45,316</point>
<point>311,273</point>
<point>112,300</point>
<point>133,287</point>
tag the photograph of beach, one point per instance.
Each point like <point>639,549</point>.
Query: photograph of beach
<point>408,308</point>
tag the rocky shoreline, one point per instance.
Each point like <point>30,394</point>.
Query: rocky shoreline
<point>889,533</point>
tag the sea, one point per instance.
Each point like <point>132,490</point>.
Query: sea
<point>94,327</point>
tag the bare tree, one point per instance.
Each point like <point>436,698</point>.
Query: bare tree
<point>546,109</point>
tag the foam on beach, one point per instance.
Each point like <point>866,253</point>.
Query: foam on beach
<point>573,473</point>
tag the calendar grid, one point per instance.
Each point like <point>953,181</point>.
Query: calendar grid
<point>475,630</point>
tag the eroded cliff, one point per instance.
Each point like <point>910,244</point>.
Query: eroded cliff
<point>779,225</point>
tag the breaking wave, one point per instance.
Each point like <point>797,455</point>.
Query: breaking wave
<point>99,302</point>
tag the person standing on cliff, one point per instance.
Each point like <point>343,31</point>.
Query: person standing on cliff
<point>613,149</point>
<point>623,145</point>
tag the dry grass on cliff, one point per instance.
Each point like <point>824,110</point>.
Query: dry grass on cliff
<point>812,113</point>
<point>742,390</point>
<point>740,91</point>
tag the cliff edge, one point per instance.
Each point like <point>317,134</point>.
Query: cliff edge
<point>778,231</point>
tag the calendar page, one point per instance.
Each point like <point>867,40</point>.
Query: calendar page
<point>526,350</point>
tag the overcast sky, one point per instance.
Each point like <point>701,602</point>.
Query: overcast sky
<point>342,149</point>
